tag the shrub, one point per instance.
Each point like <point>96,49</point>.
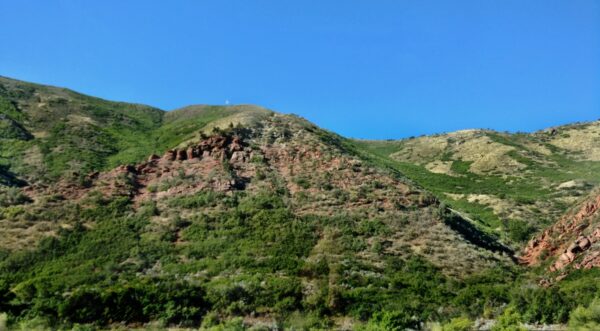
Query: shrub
<point>234,324</point>
<point>542,305</point>
<point>12,196</point>
<point>3,320</point>
<point>34,324</point>
<point>198,200</point>
<point>391,321</point>
<point>510,320</point>
<point>302,182</point>
<point>586,318</point>
<point>171,302</point>
<point>458,324</point>
<point>519,231</point>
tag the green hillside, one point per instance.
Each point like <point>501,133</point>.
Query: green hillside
<point>250,219</point>
<point>51,132</point>
<point>512,185</point>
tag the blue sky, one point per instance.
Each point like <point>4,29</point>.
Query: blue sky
<point>367,69</point>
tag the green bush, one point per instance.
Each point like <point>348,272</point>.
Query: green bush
<point>458,324</point>
<point>540,305</point>
<point>391,321</point>
<point>585,318</point>
<point>3,321</point>
<point>11,196</point>
<point>519,231</point>
<point>303,182</point>
<point>198,200</point>
<point>510,320</point>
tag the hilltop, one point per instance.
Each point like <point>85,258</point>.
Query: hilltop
<point>57,133</point>
<point>114,213</point>
<point>512,185</point>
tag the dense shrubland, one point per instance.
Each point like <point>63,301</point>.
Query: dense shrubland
<point>251,256</point>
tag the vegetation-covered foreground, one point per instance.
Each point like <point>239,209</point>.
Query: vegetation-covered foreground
<point>252,219</point>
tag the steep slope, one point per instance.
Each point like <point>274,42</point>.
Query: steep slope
<point>571,243</point>
<point>112,213</point>
<point>309,167</point>
<point>49,133</point>
<point>243,212</point>
<point>511,184</point>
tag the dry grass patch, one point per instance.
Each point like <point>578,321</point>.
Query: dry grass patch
<point>487,155</point>
<point>440,167</point>
<point>584,140</point>
<point>421,149</point>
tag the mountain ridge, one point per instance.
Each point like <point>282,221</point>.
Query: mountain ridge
<point>241,213</point>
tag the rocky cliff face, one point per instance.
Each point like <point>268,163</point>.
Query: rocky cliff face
<point>572,242</point>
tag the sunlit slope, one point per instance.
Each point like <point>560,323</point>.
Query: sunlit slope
<point>512,184</point>
<point>49,132</point>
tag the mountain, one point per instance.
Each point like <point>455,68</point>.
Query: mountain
<point>225,217</point>
<point>55,132</point>
<point>511,185</point>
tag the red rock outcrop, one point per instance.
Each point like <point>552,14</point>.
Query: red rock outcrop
<point>131,180</point>
<point>573,236</point>
<point>181,155</point>
<point>219,147</point>
<point>170,155</point>
<point>226,162</point>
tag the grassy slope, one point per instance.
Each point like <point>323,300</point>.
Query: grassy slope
<point>530,195</point>
<point>50,132</point>
<point>73,132</point>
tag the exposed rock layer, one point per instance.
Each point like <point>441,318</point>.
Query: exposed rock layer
<point>574,238</point>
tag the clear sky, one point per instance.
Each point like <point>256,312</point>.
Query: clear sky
<point>366,69</point>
